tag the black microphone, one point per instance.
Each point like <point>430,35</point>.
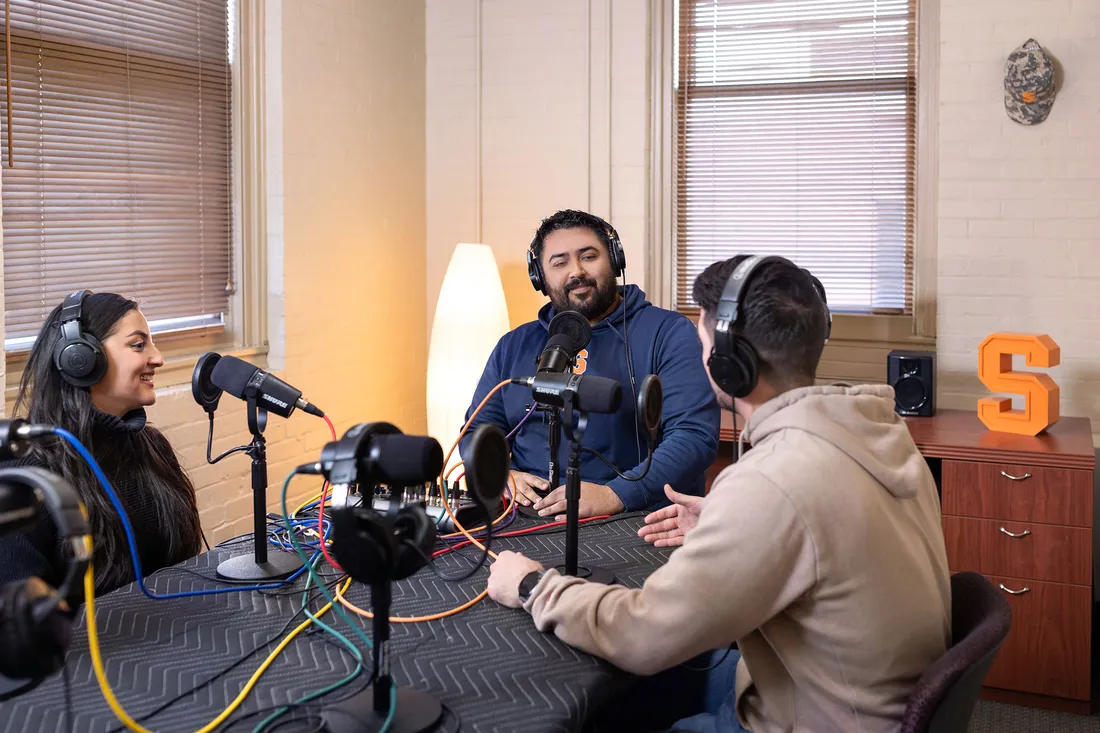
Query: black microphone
<point>273,394</point>
<point>404,460</point>
<point>569,333</point>
<point>379,453</point>
<point>586,392</point>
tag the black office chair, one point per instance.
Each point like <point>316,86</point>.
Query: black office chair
<point>945,695</point>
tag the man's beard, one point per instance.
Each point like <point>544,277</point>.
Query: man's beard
<point>595,303</point>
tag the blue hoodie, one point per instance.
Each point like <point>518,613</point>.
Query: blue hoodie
<point>662,342</point>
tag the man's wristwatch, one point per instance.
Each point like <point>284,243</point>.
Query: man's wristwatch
<point>528,584</point>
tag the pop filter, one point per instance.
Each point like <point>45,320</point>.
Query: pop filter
<point>573,325</point>
<point>202,388</point>
<point>650,405</point>
<point>487,467</point>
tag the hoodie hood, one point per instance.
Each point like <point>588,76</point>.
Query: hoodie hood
<point>860,421</point>
<point>632,302</point>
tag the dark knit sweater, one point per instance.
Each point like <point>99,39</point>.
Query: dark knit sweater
<point>39,552</point>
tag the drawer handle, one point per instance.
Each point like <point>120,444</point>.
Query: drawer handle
<point>1014,592</point>
<point>1025,533</point>
<point>1010,477</point>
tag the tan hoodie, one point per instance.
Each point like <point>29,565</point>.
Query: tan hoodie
<point>820,553</point>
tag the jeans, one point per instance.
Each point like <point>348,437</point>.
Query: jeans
<point>687,698</point>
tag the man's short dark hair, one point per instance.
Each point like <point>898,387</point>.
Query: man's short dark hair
<point>570,219</point>
<point>781,315</point>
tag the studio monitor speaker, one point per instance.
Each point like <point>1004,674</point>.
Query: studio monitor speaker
<point>912,374</point>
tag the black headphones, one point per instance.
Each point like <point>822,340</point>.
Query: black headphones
<point>614,251</point>
<point>734,364</point>
<point>78,356</point>
<point>376,548</point>
<point>35,619</point>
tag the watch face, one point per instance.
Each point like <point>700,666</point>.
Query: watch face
<point>528,584</point>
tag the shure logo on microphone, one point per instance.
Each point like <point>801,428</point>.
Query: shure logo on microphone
<point>544,390</point>
<point>280,403</point>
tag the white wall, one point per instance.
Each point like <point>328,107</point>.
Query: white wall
<point>531,107</point>
<point>1019,207</point>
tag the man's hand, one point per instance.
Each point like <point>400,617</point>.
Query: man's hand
<point>506,573</point>
<point>596,500</point>
<point>526,486</point>
<point>669,526</point>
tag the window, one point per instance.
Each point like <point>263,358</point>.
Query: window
<point>796,136</point>
<point>117,161</point>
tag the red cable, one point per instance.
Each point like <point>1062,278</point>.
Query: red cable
<point>321,509</point>
<point>516,533</point>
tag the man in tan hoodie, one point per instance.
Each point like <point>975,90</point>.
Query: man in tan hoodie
<point>819,553</point>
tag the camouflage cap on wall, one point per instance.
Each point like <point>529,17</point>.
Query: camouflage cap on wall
<point>1029,84</point>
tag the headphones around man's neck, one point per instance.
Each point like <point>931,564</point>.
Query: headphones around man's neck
<point>734,364</point>
<point>35,619</point>
<point>78,355</point>
<point>614,251</point>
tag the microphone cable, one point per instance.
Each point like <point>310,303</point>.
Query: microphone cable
<point>131,542</point>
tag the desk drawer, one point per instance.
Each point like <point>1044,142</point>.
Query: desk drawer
<point>1022,493</point>
<point>1048,646</point>
<point>1039,551</point>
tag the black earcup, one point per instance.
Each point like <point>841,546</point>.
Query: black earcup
<point>81,363</point>
<point>415,533</point>
<point>618,255</point>
<point>534,272</point>
<point>31,649</point>
<point>364,544</point>
<point>735,374</point>
<point>748,366</point>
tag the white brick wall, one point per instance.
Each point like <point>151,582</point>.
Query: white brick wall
<point>1019,207</point>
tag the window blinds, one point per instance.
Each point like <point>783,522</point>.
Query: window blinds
<point>796,136</point>
<point>119,174</point>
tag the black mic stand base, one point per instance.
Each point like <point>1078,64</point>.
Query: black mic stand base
<point>244,568</point>
<point>603,576</point>
<point>416,711</point>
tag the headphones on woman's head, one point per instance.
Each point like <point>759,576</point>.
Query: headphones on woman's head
<point>614,251</point>
<point>78,356</point>
<point>734,364</point>
<point>35,619</point>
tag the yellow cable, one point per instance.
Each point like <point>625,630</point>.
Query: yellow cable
<point>409,619</point>
<point>109,695</point>
<point>304,504</point>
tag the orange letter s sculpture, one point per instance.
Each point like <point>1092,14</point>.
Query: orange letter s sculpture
<point>1042,396</point>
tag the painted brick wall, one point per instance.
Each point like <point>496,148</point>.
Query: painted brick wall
<point>1019,207</point>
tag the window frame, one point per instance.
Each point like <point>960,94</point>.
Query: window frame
<point>859,342</point>
<point>245,332</point>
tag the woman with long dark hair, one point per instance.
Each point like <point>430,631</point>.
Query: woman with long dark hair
<point>105,410</point>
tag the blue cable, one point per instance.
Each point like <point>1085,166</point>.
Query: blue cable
<point>139,576</point>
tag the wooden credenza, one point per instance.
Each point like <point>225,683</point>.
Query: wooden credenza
<point>1018,510</point>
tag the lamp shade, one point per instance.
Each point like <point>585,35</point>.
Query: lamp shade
<point>470,317</point>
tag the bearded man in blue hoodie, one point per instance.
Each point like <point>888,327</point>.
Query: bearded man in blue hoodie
<point>577,258</point>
